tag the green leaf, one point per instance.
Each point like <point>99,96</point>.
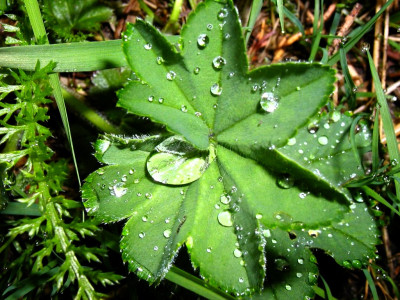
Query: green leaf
<point>245,182</point>
<point>66,16</point>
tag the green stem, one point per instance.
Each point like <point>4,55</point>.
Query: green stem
<point>35,18</point>
<point>172,24</point>
<point>195,284</point>
<point>89,114</point>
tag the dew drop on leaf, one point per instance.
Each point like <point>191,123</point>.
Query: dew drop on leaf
<point>216,89</point>
<point>313,127</point>
<point>147,46</point>
<point>222,14</point>
<point>202,40</point>
<point>150,99</point>
<point>225,198</point>
<point>225,218</point>
<point>356,264</point>
<point>298,275</point>
<point>161,100</point>
<point>210,27</point>
<point>300,261</point>
<point>241,280</point>
<point>218,62</point>
<point>266,233</point>
<point>167,233</point>
<point>288,287</point>
<point>142,235</point>
<point>159,60</point>
<point>171,75</point>
<point>323,140</point>
<point>155,248</point>
<point>209,250</point>
<point>312,278</point>
<point>259,216</point>
<point>196,70</point>
<point>285,181</point>
<point>292,141</point>
<point>148,195</point>
<point>237,253</point>
<point>119,190</point>
<point>269,102</point>
<point>184,108</point>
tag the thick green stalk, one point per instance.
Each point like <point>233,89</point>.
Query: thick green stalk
<point>36,20</point>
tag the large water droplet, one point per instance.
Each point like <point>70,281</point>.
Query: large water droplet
<point>216,89</point>
<point>225,218</point>
<point>218,62</point>
<point>269,102</point>
<point>285,181</point>
<point>202,40</point>
<point>171,75</point>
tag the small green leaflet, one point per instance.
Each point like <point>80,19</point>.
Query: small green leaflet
<point>249,177</point>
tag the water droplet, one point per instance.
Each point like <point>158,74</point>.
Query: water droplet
<point>216,89</point>
<point>255,88</point>
<point>259,216</point>
<point>364,47</point>
<point>285,181</point>
<point>356,264</point>
<point>197,114</point>
<point>171,75</point>
<point>314,233</point>
<point>155,248</point>
<point>196,70</point>
<point>269,102</point>
<point>298,88</point>
<point>119,190</point>
<point>298,275</point>
<point>202,40</point>
<point>291,141</point>
<point>184,108</point>
<point>266,233</point>
<point>237,253</point>
<point>150,99</point>
<point>209,249</point>
<point>167,220</point>
<point>335,116</point>
<point>241,280</point>
<point>288,287</point>
<point>222,14</point>
<point>147,46</point>
<point>302,195</point>
<point>210,27</point>
<point>167,233</point>
<point>142,235</point>
<point>131,171</point>
<point>231,74</point>
<point>227,36</point>
<point>161,100</point>
<point>225,198</point>
<point>323,140</point>
<point>136,180</point>
<point>313,127</point>
<point>159,60</point>
<point>144,218</point>
<point>312,278</point>
<point>148,195</point>
<point>300,261</point>
<point>218,62</point>
<point>225,218</point>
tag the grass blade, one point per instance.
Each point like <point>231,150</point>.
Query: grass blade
<point>294,20</point>
<point>375,143</point>
<point>349,84</point>
<point>72,57</point>
<point>388,127</point>
<point>195,284</point>
<point>328,292</point>
<point>370,192</point>
<point>281,14</point>
<point>255,11</point>
<point>371,284</point>
<point>360,33</point>
<point>39,31</point>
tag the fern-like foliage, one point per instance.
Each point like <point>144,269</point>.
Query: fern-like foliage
<point>45,250</point>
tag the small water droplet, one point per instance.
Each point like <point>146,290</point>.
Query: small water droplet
<point>259,216</point>
<point>184,108</point>
<point>227,36</point>
<point>364,47</point>
<point>142,235</point>
<point>225,198</point>
<point>159,60</point>
<point>266,233</point>
<point>231,74</point>
<point>300,261</point>
<point>171,75</point>
<point>302,195</point>
<point>202,41</point>
<point>225,218</point>
<point>313,127</point>
<point>216,89</point>
<point>148,195</point>
<point>323,140</point>
<point>155,248</point>
<point>144,218</point>
<point>285,181</point>
<point>241,280</point>
<point>222,14</point>
<point>147,46</point>
<point>161,100</point>
<point>288,287</point>
<point>131,171</point>
<point>196,70</point>
<point>137,180</point>
<point>210,27</point>
<point>119,190</point>
<point>269,102</point>
<point>298,275</point>
<point>291,141</point>
<point>237,253</point>
<point>218,62</point>
<point>167,233</point>
<point>209,249</point>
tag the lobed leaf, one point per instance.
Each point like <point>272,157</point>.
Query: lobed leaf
<point>241,182</point>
